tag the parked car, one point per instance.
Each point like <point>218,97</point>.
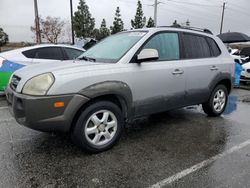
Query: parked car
<point>242,58</point>
<point>13,60</point>
<point>128,75</point>
<point>245,74</point>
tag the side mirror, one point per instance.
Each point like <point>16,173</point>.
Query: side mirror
<point>147,55</point>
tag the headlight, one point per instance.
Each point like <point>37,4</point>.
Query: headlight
<point>39,85</point>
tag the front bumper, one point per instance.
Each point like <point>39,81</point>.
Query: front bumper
<point>244,79</point>
<point>39,113</point>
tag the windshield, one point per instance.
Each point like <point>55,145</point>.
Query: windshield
<point>111,49</point>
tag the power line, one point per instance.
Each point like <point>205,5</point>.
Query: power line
<point>240,11</point>
<point>186,14</point>
<point>192,4</point>
<point>196,10</point>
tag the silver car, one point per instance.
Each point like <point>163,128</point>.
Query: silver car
<point>127,75</point>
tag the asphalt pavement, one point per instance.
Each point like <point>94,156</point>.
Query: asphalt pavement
<point>181,148</point>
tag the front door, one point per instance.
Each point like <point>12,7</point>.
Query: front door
<point>160,84</point>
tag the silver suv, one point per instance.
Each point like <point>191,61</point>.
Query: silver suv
<point>125,76</point>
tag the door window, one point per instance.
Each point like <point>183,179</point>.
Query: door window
<point>167,45</point>
<point>49,53</point>
<point>195,46</point>
<point>72,53</point>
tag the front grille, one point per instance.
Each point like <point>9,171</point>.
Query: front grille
<point>14,82</point>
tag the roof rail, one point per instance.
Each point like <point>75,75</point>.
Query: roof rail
<point>191,28</point>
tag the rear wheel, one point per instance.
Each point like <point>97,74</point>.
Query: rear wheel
<point>217,102</point>
<point>99,127</point>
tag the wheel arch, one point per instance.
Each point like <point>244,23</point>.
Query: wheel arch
<point>224,79</point>
<point>117,92</point>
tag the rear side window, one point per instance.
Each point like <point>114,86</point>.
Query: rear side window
<point>29,53</point>
<point>195,46</point>
<point>72,53</point>
<point>49,53</point>
<point>214,47</point>
<point>167,45</point>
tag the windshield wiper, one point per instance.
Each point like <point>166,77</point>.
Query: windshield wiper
<point>87,59</point>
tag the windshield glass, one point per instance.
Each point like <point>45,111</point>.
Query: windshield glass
<point>111,49</point>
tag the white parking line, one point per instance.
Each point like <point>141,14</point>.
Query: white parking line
<point>6,120</point>
<point>4,107</point>
<point>198,166</point>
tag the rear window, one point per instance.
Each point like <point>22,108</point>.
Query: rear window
<point>195,46</point>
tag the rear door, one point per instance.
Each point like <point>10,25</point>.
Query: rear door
<point>201,66</point>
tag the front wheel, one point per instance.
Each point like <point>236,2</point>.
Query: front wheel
<point>217,102</point>
<point>99,127</point>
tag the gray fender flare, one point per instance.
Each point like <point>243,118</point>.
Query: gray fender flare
<point>120,89</point>
<point>218,78</point>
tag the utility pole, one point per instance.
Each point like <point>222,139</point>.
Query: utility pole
<point>38,33</point>
<point>155,12</point>
<point>72,23</point>
<point>222,17</point>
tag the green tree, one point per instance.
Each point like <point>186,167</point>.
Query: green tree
<point>139,20</point>
<point>150,23</point>
<point>96,33</point>
<point>4,38</point>
<point>103,31</point>
<point>84,24</point>
<point>118,24</point>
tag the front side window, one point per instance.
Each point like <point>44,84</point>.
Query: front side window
<point>195,46</point>
<point>72,53</point>
<point>111,49</point>
<point>167,45</point>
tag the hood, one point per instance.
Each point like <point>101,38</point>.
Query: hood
<point>59,70</point>
<point>68,67</point>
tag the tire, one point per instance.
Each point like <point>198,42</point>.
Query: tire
<point>217,102</point>
<point>98,127</point>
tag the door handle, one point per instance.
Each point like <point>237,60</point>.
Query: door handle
<point>213,68</point>
<point>177,71</point>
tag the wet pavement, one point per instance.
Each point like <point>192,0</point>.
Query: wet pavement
<point>151,150</point>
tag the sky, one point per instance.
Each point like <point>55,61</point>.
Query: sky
<point>16,16</point>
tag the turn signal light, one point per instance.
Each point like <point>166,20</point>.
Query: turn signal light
<point>59,104</point>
